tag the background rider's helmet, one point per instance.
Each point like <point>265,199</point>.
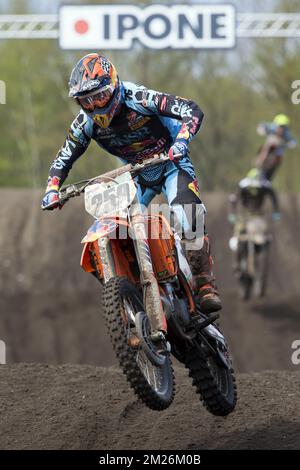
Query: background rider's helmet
<point>95,85</point>
<point>281,120</point>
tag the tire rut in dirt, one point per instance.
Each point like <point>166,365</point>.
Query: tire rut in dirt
<point>112,302</point>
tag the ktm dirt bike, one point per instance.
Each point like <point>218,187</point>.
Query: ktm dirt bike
<point>147,288</point>
<point>253,257</point>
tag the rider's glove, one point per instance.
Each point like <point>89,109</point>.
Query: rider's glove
<point>276,216</point>
<point>51,197</point>
<point>178,150</point>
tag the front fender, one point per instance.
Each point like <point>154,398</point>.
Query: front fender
<point>124,263</point>
<point>87,263</point>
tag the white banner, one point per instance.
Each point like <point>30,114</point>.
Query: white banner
<point>156,26</point>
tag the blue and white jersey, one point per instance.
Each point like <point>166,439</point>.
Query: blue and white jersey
<point>148,122</point>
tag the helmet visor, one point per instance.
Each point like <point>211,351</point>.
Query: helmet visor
<point>97,99</point>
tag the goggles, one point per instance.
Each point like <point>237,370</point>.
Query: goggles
<point>96,99</point>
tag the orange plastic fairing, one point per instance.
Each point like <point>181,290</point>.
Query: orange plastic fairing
<point>162,247</point>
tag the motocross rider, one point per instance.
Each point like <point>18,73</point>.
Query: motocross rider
<point>278,138</point>
<point>251,195</point>
<point>135,123</point>
<point>248,201</point>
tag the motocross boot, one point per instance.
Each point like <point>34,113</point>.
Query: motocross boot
<point>206,292</point>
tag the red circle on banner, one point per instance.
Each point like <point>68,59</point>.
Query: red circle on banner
<point>81,26</point>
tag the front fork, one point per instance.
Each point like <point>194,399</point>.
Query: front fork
<point>151,293</point>
<point>251,258</point>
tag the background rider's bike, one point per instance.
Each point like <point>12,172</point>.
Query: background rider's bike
<point>252,262</point>
<point>148,287</point>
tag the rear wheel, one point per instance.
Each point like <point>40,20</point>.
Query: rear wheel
<point>214,382</point>
<point>153,384</point>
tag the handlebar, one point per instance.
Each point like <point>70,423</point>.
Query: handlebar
<point>76,189</point>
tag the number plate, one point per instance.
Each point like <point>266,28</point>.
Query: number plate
<point>110,198</point>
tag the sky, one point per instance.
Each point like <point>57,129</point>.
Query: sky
<point>46,6</point>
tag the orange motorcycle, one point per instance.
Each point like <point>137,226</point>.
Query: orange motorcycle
<point>148,288</point>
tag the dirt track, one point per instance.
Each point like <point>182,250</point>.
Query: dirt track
<point>84,407</point>
<point>51,313</point>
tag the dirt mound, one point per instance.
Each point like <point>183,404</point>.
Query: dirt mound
<point>85,407</point>
<point>51,309</point>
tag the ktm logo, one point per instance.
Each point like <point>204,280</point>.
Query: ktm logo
<point>139,123</point>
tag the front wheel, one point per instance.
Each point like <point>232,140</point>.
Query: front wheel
<point>245,280</point>
<point>245,286</point>
<point>153,384</point>
<point>262,268</point>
